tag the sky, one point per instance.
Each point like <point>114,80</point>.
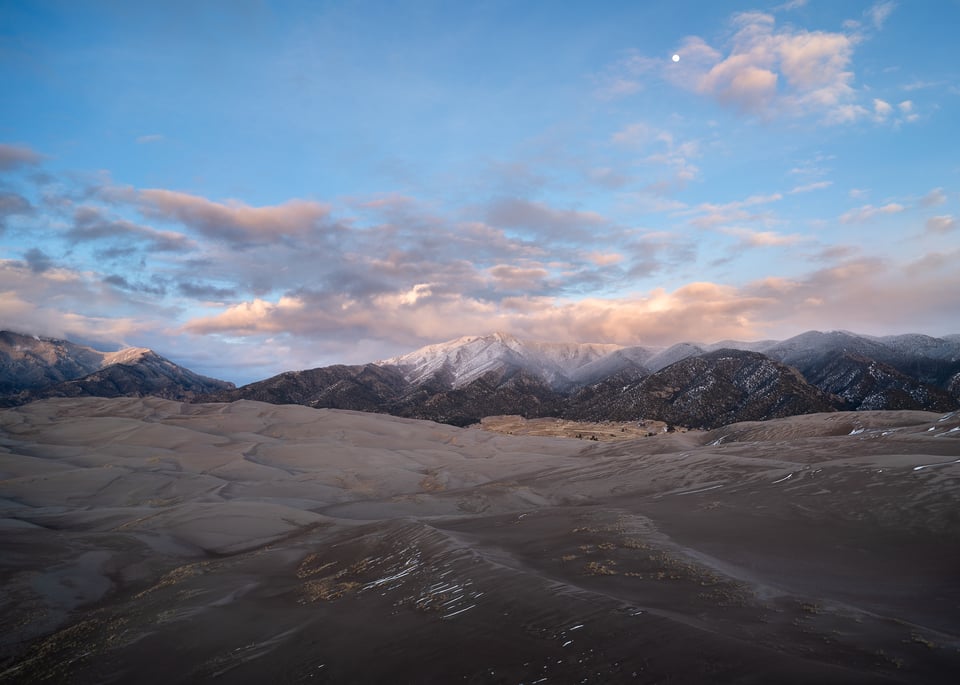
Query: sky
<point>252,187</point>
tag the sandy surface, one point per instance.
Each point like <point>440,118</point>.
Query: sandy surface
<point>156,542</point>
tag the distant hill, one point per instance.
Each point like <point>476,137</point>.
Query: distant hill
<point>33,368</point>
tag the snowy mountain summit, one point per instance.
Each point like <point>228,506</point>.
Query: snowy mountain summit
<point>465,359</point>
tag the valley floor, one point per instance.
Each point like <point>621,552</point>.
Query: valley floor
<point>157,542</point>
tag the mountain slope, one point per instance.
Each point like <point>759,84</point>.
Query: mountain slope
<point>28,362</point>
<point>707,391</point>
<point>37,368</point>
<point>507,390</point>
<point>866,383</point>
<point>362,388</point>
<point>904,371</point>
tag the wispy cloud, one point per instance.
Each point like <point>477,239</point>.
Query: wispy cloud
<point>709,215</point>
<point>880,12</point>
<point>150,138</point>
<point>810,187</point>
<point>764,238</point>
<point>868,212</point>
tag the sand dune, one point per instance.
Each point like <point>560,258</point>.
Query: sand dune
<point>154,541</point>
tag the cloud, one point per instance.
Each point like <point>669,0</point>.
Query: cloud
<point>869,294</point>
<point>868,212</point>
<point>12,204</point>
<point>879,13</point>
<point>38,260</point>
<point>809,187</point>
<point>256,316</point>
<point>605,259</point>
<point>708,214</point>
<point>60,302</point>
<point>662,151</point>
<point>637,134</point>
<point>149,138</point>
<point>881,109</point>
<point>516,213</point>
<point>773,72</point>
<point>656,317</point>
<point>764,238</point>
<point>17,156</point>
<point>90,224</point>
<point>202,291</point>
<point>763,69</point>
<point>518,278</point>
<point>934,198</point>
<point>766,70</point>
<point>941,224</point>
<point>236,223</point>
<point>123,283</point>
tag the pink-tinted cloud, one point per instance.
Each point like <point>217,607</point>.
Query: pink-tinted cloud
<point>868,212</point>
<point>934,198</point>
<point>870,293</point>
<point>518,278</point>
<point>764,238</point>
<point>710,215</point>
<point>941,224</point>
<point>91,224</point>
<point>60,302</point>
<point>763,69</point>
<point>233,221</point>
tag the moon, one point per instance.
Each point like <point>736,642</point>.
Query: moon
<point>676,58</point>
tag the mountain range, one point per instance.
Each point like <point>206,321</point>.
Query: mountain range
<point>688,384</point>
<point>462,380</point>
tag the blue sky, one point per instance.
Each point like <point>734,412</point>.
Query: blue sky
<point>249,187</point>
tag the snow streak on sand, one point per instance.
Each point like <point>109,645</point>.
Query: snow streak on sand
<point>942,463</point>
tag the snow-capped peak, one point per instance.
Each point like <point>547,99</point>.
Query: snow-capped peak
<point>469,357</point>
<point>128,355</point>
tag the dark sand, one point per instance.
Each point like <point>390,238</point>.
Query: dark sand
<point>153,542</point>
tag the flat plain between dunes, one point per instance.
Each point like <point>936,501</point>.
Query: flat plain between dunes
<point>152,541</point>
